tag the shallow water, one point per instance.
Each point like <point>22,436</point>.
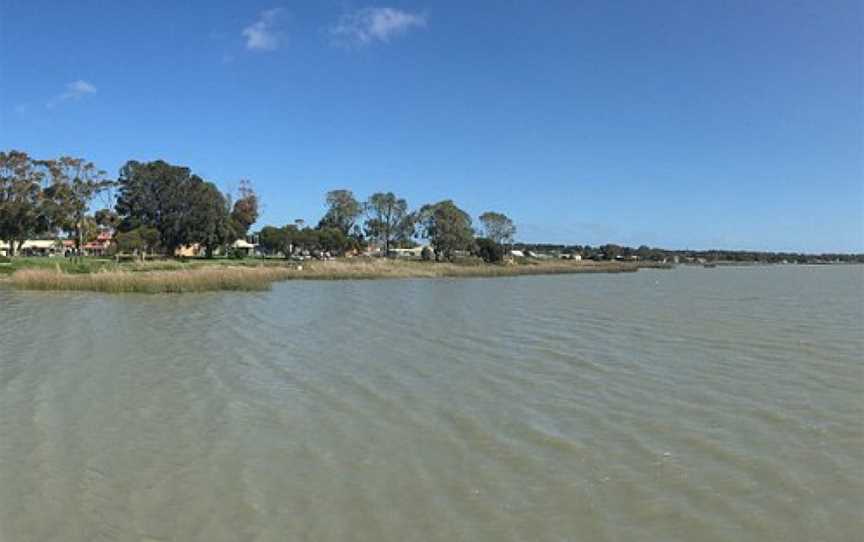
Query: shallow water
<point>693,404</point>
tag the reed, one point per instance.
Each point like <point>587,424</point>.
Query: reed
<point>204,279</point>
<point>381,268</point>
<point>167,277</point>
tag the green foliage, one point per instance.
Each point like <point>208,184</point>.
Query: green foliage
<point>74,182</point>
<point>489,250</point>
<point>245,210</point>
<point>274,240</point>
<point>498,227</point>
<point>388,220</point>
<point>181,206</point>
<point>140,240</point>
<point>210,223</point>
<point>21,199</point>
<point>107,218</point>
<point>343,209</point>
<point>447,227</point>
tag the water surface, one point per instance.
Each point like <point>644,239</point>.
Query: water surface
<point>694,404</point>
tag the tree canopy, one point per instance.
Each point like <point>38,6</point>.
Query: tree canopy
<point>244,213</point>
<point>178,204</point>
<point>343,209</point>
<point>388,219</point>
<point>74,182</point>
<point>21,198</point>
<point>447,227</point>
<point>498,227</point>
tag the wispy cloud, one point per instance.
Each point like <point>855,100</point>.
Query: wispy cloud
<point>74,91</point>
<point>265,34</point>
<point>368,25</point>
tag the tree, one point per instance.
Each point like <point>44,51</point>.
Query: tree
<point>210,224</point>
<point>107,218</point>
<point>447,227</point>
<point>140,240</point>
<point>498,227</point>
<point>388,219</point>
<point>245,210</point>
<point>21,197</point>
<point>275,240</point>
<point>74,182</point>
<point>343,209</point>
<point>333,240</point>
<point>163,196</point>
<point>489,250</point>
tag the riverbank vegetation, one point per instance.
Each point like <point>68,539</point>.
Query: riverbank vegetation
<point>251,275</point>
<point>155,214</point>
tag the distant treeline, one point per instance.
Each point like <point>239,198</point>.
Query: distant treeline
<point>153,206</point>
<point>159,207</point>
<point>611,252</point>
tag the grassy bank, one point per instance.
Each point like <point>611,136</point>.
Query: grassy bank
<point>250,275</point>
<point>152,282</point>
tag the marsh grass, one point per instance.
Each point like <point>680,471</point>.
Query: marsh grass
<point>206,279</point>
<point>200,276</point>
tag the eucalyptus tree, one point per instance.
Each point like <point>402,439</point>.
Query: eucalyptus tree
<point>72,183</point>
<point>388,219</point>
<point>498,227</point>
<point>244,212</point>
<point>447,227</point>
<point>343,209</point>
<point>21,198</point>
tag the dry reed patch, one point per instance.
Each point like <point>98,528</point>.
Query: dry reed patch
<point>204,279</point>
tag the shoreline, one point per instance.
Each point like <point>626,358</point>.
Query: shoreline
<point>256,275</point>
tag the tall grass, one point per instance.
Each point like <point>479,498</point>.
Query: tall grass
<point>177,277</point>
<point>205,279</point>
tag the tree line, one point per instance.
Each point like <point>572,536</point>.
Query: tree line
<point>646,253</point>
<point>153,206</point>
<point>158,207</point>
<point>386,220</point>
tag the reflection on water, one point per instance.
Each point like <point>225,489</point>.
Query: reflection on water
<point>692,404</point>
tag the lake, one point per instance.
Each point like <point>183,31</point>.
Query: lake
<point>691,404</point>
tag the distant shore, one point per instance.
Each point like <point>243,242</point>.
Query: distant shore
<point>202,275</point>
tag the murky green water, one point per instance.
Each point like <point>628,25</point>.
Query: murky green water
<point>694,404</point>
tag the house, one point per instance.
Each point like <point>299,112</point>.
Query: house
<point>244,247</point>
<point>415,252</point>
<point>189,251</point>
<point>101,245</point>
<point>4,248</point>
<point>571,256</point>
<point>517,254</point>
<point>41,247</point>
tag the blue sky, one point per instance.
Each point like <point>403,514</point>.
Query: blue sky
<point>680,124</point>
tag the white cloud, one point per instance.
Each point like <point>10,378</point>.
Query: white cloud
<point>368,25</point>
<point>74,91</point>
<point>264,34</point>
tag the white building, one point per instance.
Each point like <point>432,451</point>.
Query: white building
<point>244,247</point>
<point>416,252</point>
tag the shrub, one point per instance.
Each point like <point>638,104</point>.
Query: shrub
<point>489,250</point>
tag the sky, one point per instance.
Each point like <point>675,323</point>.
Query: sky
<point>677,124</point>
